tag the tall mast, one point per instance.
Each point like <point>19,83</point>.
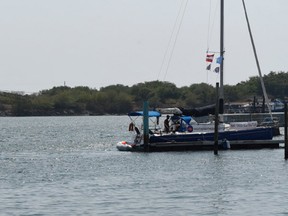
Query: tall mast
<point>257,61</point>
<point>221,92</point>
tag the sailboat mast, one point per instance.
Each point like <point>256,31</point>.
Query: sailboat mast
<point>256,59</point>
<point>221,90</point>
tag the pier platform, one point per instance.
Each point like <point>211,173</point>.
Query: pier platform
<point>209,145</point>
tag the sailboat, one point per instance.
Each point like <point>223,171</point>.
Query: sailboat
<point>184,136</point>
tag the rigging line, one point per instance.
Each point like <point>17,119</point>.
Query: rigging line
<point>177,34</point>
<point>209,19</point>
<point>256,58</point>
<point>208,37</point>
<point>211,27</point>
<point>170,40</point>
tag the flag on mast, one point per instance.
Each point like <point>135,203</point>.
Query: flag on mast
<point>208,67</point>
<point>219,60</point>
<point>216,70</point>
<point>209,57</point>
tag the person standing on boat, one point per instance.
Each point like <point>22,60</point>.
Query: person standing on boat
<point>166,124</point>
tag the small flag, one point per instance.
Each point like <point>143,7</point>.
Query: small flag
<point>208,67</point>
<point>219,60</point>
<point>209,57</point>
<point>216,70</point>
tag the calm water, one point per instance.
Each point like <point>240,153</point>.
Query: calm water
<point>70,166</point>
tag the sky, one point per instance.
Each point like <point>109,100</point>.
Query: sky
<point>97,43</point>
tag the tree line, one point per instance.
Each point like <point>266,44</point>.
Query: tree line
<point>120,99</point>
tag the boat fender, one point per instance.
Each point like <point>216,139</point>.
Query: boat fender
<point>190,128</point>
<point>226,144</point>
<point>131,126</point>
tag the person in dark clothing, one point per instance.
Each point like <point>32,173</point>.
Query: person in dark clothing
<point>166,124</point>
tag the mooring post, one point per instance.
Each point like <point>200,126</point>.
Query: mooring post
<point>216,120</point>
<point>285,131</point>
<point>145,126</point>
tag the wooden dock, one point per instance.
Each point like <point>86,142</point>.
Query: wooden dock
<point>209,145</point>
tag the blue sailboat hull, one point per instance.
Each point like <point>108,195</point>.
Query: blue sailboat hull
<point>251,134</point>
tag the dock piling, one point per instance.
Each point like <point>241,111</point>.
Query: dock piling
<point>285,131</point>
<point>216,121</point>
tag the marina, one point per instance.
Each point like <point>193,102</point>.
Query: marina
<point>185,139</point>
<point>75,139</point>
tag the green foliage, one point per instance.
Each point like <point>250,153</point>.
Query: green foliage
<point>120,99</point>
<point>22,106</point>
<point>276,84</point>
<point>231,93</point>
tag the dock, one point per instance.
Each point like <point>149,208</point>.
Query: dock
<point>209,145</point>
<point>240,117</point>
<point>158,145</point>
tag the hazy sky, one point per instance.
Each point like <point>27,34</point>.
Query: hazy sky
<point>96,43</point>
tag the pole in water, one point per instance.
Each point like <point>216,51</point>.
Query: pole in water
<point>285,131</point>
<point>145,126</point>
<point>216,120</point>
